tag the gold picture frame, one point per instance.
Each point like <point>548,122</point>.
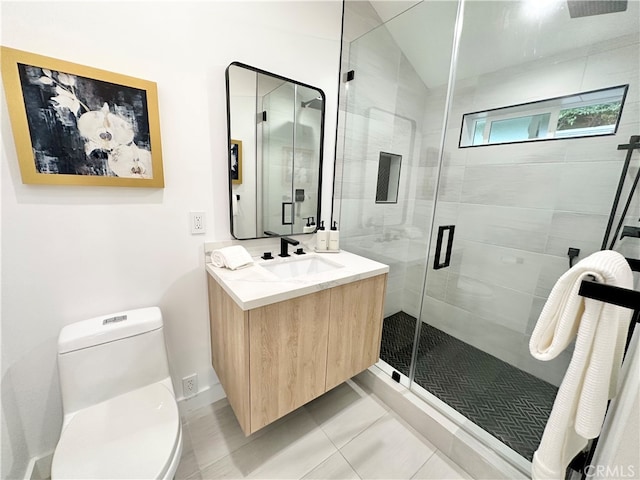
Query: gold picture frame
<point>78,125</point>
<point>235,162</point>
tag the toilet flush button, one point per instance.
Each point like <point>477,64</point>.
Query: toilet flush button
<point>119,318</point>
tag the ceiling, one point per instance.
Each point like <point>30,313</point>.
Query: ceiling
<point>496,34</point>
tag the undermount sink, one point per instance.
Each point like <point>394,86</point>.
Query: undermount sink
<point>298,267</point>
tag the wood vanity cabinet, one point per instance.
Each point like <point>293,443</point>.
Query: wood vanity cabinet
<point>273,359</point>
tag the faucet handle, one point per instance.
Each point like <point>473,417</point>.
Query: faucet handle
<point>300,251</point>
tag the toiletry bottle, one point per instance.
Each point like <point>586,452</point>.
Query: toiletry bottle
<point>322,238</point>
<point>334,237</point>
<point>310,227</point>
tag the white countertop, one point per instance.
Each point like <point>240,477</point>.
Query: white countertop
<point>255,286</point>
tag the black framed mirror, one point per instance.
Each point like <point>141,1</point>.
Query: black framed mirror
<point>275,131</point>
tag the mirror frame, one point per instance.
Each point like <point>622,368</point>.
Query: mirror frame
<point>320,157</point>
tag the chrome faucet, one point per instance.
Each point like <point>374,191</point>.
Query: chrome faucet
<point>284,245</point>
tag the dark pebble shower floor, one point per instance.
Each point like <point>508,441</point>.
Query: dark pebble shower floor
<point>510,404</point>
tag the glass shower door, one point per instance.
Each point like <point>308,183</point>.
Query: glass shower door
<point>515,209</point>
<point>305,154</point>
<point>507,213</point>
<point>393,125</point>
<point>277,119</point>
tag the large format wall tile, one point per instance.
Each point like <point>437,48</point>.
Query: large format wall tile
<point>588,190</point>
<point>613,67</point>
<point>516,153</point>
<point>499,305</point>
<point>497,340</point>
<point>495,265</point>
<point>551,268</point>
<point>520,228</point>
<point>538,80</point>
<point>579,230</point>
<point>527,186</point>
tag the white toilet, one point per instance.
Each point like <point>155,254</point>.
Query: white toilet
<point>121,418</point>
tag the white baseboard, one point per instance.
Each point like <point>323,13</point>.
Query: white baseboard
<point>204,397</point>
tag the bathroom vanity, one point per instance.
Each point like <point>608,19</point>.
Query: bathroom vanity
<point>285,331</point>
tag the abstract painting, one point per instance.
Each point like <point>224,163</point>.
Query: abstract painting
<point>76,125</point>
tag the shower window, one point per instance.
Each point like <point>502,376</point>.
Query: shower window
<point>581,115</point>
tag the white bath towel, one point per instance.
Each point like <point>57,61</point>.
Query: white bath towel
<point>231,257</point>
<point>618,451</point>
<point>592,376</point>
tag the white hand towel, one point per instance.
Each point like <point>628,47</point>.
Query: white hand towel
<point>592,376</point>
<point>231,257</point>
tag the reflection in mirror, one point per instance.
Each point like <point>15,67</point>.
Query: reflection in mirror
<point>276,130</point>
<point>583,114</point>
<point>388,178</point>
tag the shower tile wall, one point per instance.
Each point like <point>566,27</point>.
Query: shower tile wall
<point>385,116</point>
<point>517,207</point>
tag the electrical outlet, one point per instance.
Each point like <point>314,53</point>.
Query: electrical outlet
<point>197,222</point>
<point>190,385</point>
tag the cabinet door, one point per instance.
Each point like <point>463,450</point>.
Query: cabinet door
<point>355,328</point>
<point>288,355</point>
<point>230,350</point>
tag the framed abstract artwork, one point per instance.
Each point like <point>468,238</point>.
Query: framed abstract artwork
<point>77,125</point>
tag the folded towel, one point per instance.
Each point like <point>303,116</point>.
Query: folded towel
<point>231,257</point>
<point>592,376</point>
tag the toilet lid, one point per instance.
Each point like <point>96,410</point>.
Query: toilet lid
<point>130,436</point>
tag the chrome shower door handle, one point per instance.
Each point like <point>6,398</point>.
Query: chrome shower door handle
<point>450,229</point>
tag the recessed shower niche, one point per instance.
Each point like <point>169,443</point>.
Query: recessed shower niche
<point>388,178</point>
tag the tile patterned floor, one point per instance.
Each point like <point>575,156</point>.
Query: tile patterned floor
<point>348,433</point>
<point>510,404</point>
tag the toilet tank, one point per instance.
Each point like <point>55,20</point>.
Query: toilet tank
<point>107,356</point>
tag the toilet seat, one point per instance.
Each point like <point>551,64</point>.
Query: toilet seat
<point>134,435</point>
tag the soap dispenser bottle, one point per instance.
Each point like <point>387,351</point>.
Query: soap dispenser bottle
<point>322,238</point>
<point>334,237</point>
<point>310,227</point>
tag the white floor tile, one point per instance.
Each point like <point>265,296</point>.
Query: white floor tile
<point>333,468</point>
<point>215,433</point>
<point>345,412</point>
<point>388,449</point>
<point>188,464</point>
<point>440,467</point>
<point>291,450</point>
<point>375,443</point>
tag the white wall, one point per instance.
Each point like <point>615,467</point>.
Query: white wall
<point>69,253</point>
